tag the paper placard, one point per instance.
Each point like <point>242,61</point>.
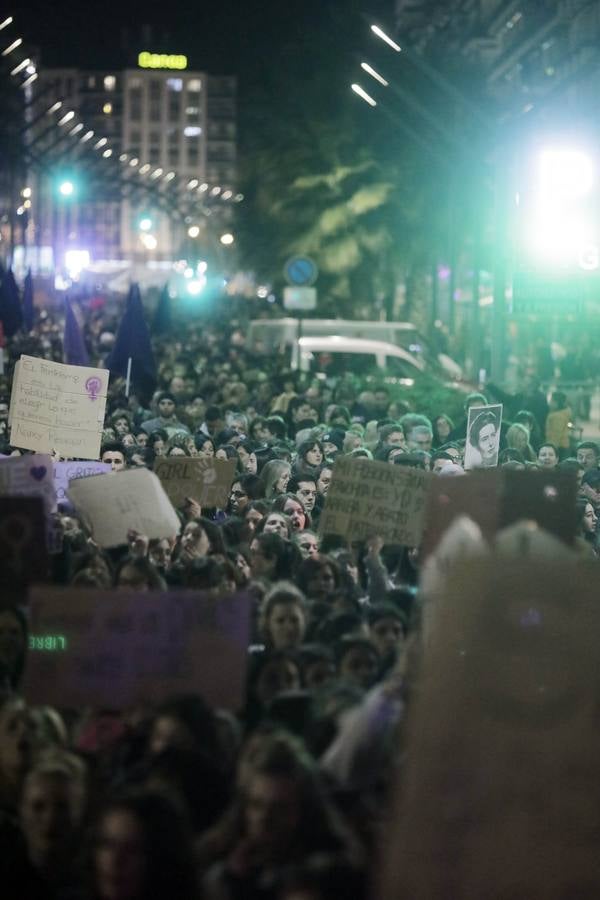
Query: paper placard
<point>483,436</point>
<point>500,497</point>
<point>54,406</point>
<point>366,498</point>
<point>112,649</point>
<point>64,472</point>
<point>206,480</point>
<point>498,791</point>
<point>113,504</point>
<point>23,551</point>
<point>28,476</point>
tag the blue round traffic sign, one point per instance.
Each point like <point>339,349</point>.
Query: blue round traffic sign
<point>301,271</point>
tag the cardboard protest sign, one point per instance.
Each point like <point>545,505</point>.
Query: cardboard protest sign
<point>498,498</point>
<point>483,436</point>
<point>115,503</point>
<point>23,552</point>
<point>366,498</point>
<point>64,472</point>
<point>208,481</point>
<point>28,476</point>
<point>112,649</point>
<point>498,791</point>
<point>54,406</point>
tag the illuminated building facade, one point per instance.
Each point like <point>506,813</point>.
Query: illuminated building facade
<point>170,150</point>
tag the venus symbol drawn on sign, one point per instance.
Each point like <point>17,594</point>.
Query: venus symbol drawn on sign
<point>93,386</point>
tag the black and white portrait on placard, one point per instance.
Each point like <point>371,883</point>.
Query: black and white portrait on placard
<point>483,437</point>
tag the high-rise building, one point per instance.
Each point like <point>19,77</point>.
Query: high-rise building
<point>153,153</point>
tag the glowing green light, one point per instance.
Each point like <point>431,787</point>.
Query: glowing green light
<point>51,642</point>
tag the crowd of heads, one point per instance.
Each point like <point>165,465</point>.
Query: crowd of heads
<point>181,800</point>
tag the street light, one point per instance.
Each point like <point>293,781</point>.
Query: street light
<point>562,229</point>
<point>363,94</point>
<point>374,74</point>
<point>66,188</point>
<point>193,231</point>
<point>385,37</point>
<point>227,239</point>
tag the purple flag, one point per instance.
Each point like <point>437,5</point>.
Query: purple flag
<point>28,308</point>
<point>74,349</point>
<point>133,342</point>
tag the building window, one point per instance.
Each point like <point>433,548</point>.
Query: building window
<point>155,109</point>
<point>173,156</point>
<point>91,81</point>
<point>192,111</point>
<point>192,131</point>
<point>154,87</point>
<point>135,112</point>
<point>107,109</point>
<point>174,84</point>
<point>110,82</point>
<point>192,155</point>
<point>154,155</point>
<point>194,85</point>
<point>174,108</point>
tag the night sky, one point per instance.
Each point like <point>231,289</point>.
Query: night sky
<point>219,36</point>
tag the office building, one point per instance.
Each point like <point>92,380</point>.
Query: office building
<point>153,153</point>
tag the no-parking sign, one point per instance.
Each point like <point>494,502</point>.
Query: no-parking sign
<point>300,271</point>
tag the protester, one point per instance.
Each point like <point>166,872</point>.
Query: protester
<point>277,798</point>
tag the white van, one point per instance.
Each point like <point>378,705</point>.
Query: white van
<point>271,335</point>
<point>335,355</point>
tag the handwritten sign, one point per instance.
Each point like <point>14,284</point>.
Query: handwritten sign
<point>206,480</point>
<point>111,649</point>
<point>58,407</point>
<point>498,498</point>
<point>502,744</point>
<point>64,472</point>
<point>113,504</point>
<point>28,476</point>
<point>367,498</point>
<point>23,553</point>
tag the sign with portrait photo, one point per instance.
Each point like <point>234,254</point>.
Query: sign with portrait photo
<point>483,437</point>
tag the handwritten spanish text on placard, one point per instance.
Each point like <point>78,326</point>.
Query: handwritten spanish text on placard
<point>366,498</point>
<point>58,407</point>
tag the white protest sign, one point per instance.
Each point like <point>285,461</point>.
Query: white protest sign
<point>206,480</point>
<point>58,407</point>
<point>367,498</point>
<point>112,649</point>
<point>483,436</point>
<point>116,503</point>
<point>64,472</point>
<point>28,476</point>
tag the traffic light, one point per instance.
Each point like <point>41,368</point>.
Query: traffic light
<point>66,188</point>
<point>66,185</point>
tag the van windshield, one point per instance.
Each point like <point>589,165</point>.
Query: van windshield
<point>343,363</point>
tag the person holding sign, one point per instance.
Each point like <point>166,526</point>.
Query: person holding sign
<point>483,437</point>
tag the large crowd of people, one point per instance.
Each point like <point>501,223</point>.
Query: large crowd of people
<point>286,797</point>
